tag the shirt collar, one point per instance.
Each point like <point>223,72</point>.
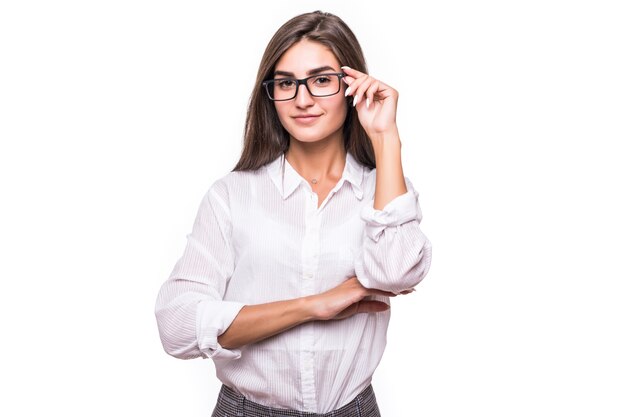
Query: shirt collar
<point>287,179</point>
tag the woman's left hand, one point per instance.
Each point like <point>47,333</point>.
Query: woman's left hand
<point>376,102</point>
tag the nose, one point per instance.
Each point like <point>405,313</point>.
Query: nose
<point>303,97</point>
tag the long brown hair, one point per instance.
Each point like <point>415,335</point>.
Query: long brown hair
<point>264,136</point>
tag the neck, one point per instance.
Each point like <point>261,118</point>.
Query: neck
<point>317,162</point>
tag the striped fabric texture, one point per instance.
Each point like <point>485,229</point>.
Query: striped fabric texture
<point>262,236</point>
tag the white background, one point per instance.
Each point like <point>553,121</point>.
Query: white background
<point>116,117</point>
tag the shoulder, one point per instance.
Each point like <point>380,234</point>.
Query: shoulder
<point>235,183</point>
<point>240,179</point>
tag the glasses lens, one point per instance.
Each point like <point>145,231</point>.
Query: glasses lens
<point>324,85</point>
<point>282,89</point>
<point>319,86</point>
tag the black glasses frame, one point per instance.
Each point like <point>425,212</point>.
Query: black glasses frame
<point>266,84</point>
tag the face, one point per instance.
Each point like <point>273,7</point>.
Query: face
<point>331,110</point>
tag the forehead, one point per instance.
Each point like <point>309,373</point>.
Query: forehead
<point>305,55</point>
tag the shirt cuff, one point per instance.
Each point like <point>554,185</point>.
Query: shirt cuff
<point>212,319</point>
<point>398,211</point>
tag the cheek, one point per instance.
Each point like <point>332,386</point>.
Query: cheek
<point>340,108</point>
<point>281,111</point>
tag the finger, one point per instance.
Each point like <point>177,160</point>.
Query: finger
<point>346,312</point>
<point>348,80</point>
<point>370,93</point>
<point>364,291</point>
<point>354,84</point>
<point>352,72</point>
<point>372,307</point>
<point>361,90</point>
<point>373,291</point>
<point>385,91</point>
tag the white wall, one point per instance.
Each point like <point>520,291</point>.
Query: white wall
<point>115,118</point>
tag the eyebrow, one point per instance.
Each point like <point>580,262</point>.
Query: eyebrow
<point>310,72</point>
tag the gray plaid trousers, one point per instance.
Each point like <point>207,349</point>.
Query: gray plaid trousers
<point>232,404</point>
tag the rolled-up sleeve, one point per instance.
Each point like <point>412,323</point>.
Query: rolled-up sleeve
<point>396,254</point>
<point>190,309</point>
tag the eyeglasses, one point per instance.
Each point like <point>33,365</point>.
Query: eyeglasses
<point>320,85</point>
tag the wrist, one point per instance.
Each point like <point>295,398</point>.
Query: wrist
<point>386,142</point>
<point>308,308</point>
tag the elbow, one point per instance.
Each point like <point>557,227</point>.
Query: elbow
<point>416,275</point>
<point>397,277</point>
<point>179,353</point>
<point>171,338</point>
<point>419,271</point>
<point>174,349</point>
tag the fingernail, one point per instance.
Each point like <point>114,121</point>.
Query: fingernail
<point>347,91</point>
<point>356,98</point>
<point>345,66</point>
<point>367,102</point>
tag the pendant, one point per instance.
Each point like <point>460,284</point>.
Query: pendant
<point>314,181</point>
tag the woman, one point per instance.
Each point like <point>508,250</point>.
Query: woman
<point>286,277</point>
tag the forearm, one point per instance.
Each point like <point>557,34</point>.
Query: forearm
<point>389,175</point>
<point>260,321</point>
<point>399,259</point>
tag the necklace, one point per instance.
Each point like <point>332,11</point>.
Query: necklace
<point>314,181</point>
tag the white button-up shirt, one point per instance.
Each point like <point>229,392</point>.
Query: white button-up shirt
<point>260,237</point>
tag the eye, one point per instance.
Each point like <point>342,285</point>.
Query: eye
<point>286,83</point>
<point>322,79</point>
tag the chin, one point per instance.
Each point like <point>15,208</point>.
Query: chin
<point>307,136</point>
<point>310,135</point>
<point>310,138</point>
<point>304,135</point>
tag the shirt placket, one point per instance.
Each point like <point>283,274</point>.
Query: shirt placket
<point>310,256</point>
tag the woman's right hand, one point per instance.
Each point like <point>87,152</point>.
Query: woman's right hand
<point>346,299</point>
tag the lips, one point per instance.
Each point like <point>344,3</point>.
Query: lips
<point>306,120</point>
